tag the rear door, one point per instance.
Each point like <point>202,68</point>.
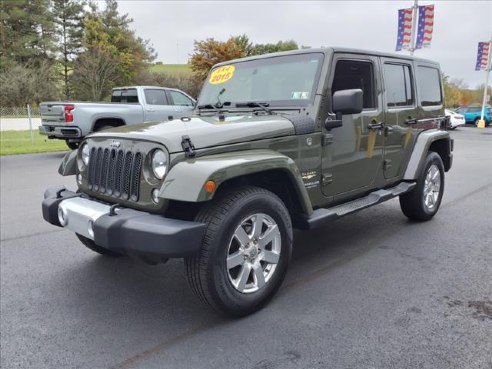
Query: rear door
<point>157,105</point>
<point>401,114</point>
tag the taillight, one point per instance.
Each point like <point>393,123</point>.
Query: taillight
<point>68,113</point>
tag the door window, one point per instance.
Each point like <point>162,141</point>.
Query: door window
<point>155,97</point>
<point>429,81</point>
<point>399,86</point>
<point>356,74</point>
<point>180,99</point>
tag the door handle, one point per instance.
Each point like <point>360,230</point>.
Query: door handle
<point>411,121</point>
<point>375,125</point>
<point>150,110</point>
<point>387,130</point>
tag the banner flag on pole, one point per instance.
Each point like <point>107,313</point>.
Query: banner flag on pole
<point>404,29</point>
<point>425,27</point>
<point>482,56</point>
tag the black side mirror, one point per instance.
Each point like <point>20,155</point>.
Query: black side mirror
<point>344,102</point>
<point>348,101</point>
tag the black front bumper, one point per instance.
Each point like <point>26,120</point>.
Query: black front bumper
<point>133,232</point>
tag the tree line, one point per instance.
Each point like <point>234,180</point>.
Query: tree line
<point>67,49</point>
<point>80,49</point>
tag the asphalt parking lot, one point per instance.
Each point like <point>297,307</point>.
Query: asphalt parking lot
<point>372,290</point>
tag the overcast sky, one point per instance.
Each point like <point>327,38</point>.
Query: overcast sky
<point>172,26</point>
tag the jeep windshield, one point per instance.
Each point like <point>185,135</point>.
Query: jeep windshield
<point>281,81</point>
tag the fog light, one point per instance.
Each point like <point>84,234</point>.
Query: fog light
<point>79,179</point>
<point>62,216</point>
<point>155,195</point>
<point>90,228</point>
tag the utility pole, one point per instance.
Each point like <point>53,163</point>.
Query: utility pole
<point>414,26</point>
<point>481,124</point>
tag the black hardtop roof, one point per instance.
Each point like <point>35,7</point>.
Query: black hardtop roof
<point>330,50</point>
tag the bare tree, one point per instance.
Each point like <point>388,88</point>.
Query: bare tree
<point>93,74</point>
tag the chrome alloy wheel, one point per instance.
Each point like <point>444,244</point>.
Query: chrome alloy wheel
<point>253,253</point>
<point>432,187</point>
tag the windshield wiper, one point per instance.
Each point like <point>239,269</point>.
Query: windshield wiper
<point>218,105</point>
<point>254,104</point>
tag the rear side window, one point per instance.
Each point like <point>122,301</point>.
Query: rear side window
<point>399,86</point>
<point>155,97</point>
<point>125,96</point>
<point>355,74</point>
<point>429,82</point>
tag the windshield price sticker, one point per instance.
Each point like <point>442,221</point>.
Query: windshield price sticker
<point>222,74</point>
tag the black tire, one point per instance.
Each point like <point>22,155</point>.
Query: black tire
<point>96,248</point>
<point>208,273</point>
<point>72,145</point>
<point>413,204</point>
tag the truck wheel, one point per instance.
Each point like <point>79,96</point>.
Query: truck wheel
<point>96,248</point>
<point>245,251</point>
<point>423,202</point>
<point>72,145</point>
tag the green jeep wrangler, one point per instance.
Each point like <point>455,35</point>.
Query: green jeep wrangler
<point>276,142</point>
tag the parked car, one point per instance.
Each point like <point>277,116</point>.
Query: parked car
<point>281,141</point>
<point>455,119</point>
<point>472,114</point>
<point>72,121</point>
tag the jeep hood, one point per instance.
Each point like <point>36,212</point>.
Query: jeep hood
<point>205,131</point>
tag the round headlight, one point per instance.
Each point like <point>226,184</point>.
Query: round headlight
<point>86,153</point>
<point>159,163</point>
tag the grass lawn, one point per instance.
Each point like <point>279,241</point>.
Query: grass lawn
<point>19,142</point>
<point>171,68</point>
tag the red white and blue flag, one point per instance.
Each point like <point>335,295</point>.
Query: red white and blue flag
<point>425,27</point>
<point>404,29</point>
<point>482,56</point>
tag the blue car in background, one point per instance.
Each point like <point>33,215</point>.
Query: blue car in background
<point>472,114</point>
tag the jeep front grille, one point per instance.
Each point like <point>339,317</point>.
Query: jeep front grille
<point>115,173</point>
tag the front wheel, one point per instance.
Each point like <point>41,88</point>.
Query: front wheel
<point>245,251</point>
<point>423,202</point>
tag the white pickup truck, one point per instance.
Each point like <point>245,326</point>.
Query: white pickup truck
<point>72,121</point>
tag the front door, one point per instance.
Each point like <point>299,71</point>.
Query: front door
<point>353,153</point>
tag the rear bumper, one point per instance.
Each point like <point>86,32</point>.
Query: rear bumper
<point>124,230</point>
<point>63,132</point>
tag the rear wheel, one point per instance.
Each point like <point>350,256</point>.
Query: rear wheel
<point>90,244</point>
<point>245,251</point>
<point>423,202</point>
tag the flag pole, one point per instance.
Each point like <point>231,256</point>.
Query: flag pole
<point>486,87</point>
<point>414,24</point>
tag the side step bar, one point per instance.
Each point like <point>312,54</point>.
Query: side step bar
<point>324,215</point>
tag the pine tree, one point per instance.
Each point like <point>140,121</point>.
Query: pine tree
<point>26,32</point>
<point>68,17</point>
